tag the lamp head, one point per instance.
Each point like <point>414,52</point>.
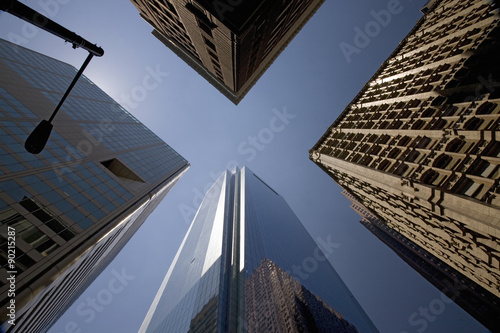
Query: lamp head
<point>37,140</point>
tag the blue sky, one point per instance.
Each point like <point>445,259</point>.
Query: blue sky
<point>271,131</point>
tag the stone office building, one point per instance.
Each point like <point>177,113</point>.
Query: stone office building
<point>418,146</point>
<point>229,43</point>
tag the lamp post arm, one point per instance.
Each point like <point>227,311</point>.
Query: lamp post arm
<point>27,14</point>
<point>72,84</point>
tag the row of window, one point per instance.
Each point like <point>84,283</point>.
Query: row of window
<point>434,124</point>
<point>373,151</point>
<point>43,241</point>
<point>431,34</point>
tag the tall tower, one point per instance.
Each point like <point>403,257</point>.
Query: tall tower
<point>473,298</point>
<point>418,146</point>
<point>247,264</point>
<point>66,212</point>
<point>229,43</point>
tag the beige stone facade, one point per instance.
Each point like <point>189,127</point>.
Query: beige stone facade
<point>229,43</point>
<point>418,146</point>
<point>479,303</point>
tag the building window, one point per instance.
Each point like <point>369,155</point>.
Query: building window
<point>394,153</point>
<point>429,177</point>
<point>428,113</point>
<point>442,161</point>
<point>364,148</point>
<point>493,149</point>
<point>395,124</point>
<point>405,113</point>
<point>423,143</point>
<point>366,160</point>
<point>29,233</point>
<point>374,150</point>
<point>404,141</point>
<point>412,157</point>
<point>43,215</point>
<point>486,108</point>
<point>481,168</point>
<point>170,7</point>
<point>384,165</point>
<point>418,125</point>
<point>401,169</point>
<point>23,261</point>
<point>383,139</point>
<point>203,20</point>
<point>468,187</point>
<point>449,111</point>
<point>439,124</point>
<point>213,55</point>
<point>216,65</point>
<point>455,145</point>
<point>120,170</point>
<point>473,124</point>
<point>210,44</point>
<point>205,27</point>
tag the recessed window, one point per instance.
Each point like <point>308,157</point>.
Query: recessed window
<point>29,233</point>
<point>429,177</point>
<point>394,153</point>
<point>418,125</point>
<point>383,165</point>
<point>428,113</point>
<point>455,145</point>
<point>210,44</point>
<point>47,218</point>
<point>481,168</point>
<point>120,170</point>
<point>423,142</point>
<point>404,141</point>
<point>468,187</point>
<point>216,65</point>
<point>213,55</point>
<point>442,161</point>
<point>401,169</point>
<point>413,156</point>
<point>473,124</point>
<point>493,149</point>
<point>170,7</point>
<point>486,108</point>
<point>439,124</point>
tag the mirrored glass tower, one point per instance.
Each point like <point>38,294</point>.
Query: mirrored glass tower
<point>65,213</point>
<point>247,264</point>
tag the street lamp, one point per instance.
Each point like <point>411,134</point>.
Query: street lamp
<point>38,138</point>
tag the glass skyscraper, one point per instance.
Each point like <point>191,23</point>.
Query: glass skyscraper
<point>247,264</point>
<point>76,204</point>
